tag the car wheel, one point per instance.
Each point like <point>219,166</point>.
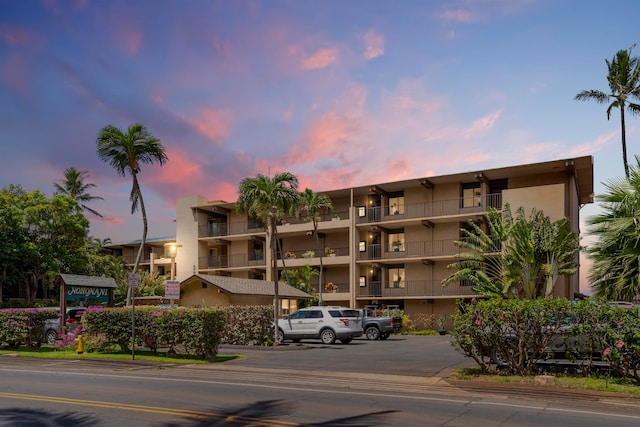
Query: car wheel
<point>51,337</point>
<point>385,335</point>
<point>499,359</point>
<point>328,336</point>
<point>346,340</point>
<point>372,333</point>
<point>280,335</point>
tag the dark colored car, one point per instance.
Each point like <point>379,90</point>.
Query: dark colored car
<point>52,326</point>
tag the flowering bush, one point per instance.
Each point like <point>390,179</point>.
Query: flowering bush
<point>248,325</point>
<point>23,326</point>
<point>330,287</point>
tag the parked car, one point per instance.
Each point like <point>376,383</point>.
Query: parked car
<point>52,326</point>
<point>376,326</point>
<point>324,323</point>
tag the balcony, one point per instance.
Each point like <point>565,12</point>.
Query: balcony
<point>301,257</point>
<point>425,210</point>
<point>413,288</point>
<point>223,229</point>
<point>419,249</point>
<point>237,261</point>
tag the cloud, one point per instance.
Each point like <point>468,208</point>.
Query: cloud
<point>374,44</point>
<point>24,38</point>
<point>212,123</point>
<point>592,147</point>
<point>482,125</point>
<point>457,15</point>
<point>320,59</point>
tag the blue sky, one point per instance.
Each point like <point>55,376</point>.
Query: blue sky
<point>338,92</point>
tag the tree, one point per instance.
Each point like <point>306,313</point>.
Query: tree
<point>311,205</point>
<point>624,83</point>
<point>518,257</point>
<point>75,187</point>
<point>126,152</point>
<point>615,273</point>
<point>40,238</point>
<point>301,279</point>
<point>269,200</point>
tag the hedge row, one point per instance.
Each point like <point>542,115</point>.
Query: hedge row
<point>23,326</point>
<point>518,334</point>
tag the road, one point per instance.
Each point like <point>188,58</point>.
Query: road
<point>76,393</point>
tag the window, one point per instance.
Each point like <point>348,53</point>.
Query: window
<point>396,203</point>
<point>396,277</point>
<point>471,195</point>
<point>396,242</point>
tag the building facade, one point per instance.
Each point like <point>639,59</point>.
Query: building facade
<point>384,243</point>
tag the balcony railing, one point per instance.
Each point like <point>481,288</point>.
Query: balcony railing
<point>221,229</point>
<point>418,249</point>
<point>429,209</point>
<point>333,216</point>
<point>413,288</point>
<point>231,261</point>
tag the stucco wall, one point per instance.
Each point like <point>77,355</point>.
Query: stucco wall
<point>546,198</point>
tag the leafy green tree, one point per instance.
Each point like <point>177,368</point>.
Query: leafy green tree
<point>269,200</point>
<point>301,279</point>
<point>41,238</point>
<point>624,84</point>
<point>615,273</point>
<point>126,152</point>
<point>517,257</point>
<point>311,206</point>
<point>74,186</point>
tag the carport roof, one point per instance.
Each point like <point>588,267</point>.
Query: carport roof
<point>240,286</point>
<point>89,281</point>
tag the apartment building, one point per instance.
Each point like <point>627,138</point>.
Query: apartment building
<point>383,243</point>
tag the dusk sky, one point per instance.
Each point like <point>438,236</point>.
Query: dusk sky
<point>340,93</point>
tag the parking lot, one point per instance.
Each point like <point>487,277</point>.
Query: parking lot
<point>400,355</point>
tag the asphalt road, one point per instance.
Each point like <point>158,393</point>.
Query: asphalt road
<point>412,355</point>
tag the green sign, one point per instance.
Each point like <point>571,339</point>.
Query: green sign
<point>75,293</point>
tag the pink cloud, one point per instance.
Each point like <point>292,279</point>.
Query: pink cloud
<point>178,169</point>
<point>130,40</point>
<point>483,124</point>
<point>157,99</point>
<point>212,123</point>
<point>14,73</point>
<point>325,138</point>
<point>374,44</point>
<point>20,37</point>
<point>321,59</point>
<point>592,147</point>
<point>457,15</point>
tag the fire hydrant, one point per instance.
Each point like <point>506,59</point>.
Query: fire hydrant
<point>80,344</point>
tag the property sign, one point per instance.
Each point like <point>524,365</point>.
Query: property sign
<point>133,280</point>
<point>172,289</point>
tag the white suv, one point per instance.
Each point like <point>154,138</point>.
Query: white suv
<point>324,323</point>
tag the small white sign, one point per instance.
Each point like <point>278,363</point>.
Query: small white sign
<point>172,289</point>
<point>133,280</point>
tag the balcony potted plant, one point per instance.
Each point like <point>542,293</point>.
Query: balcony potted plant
<point>329,252</point>
<point>331,287</point>
<point>309,254</point>
<point>336,217</point>
<point>289,254</point>
<point>396,245</point>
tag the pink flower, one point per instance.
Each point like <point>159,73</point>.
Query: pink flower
<point>477,322</point>
<point>620,344</point>
<point>619,322</point>
<point>606,352</point>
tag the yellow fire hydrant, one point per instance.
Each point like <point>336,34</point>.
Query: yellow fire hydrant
<point>80,344</point>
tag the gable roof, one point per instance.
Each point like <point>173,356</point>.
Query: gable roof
<point>92,281</point>
<point>239,286</point>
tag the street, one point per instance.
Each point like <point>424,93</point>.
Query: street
<point>39,392</point>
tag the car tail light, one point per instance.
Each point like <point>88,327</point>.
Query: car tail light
<point>345,321</point>
<point>391,321</point>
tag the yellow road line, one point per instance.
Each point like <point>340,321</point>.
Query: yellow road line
<point>152,409</point>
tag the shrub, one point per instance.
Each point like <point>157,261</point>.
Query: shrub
<point>248,325</point>
<point>23,326</point>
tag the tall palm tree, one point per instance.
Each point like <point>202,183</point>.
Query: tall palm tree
<point>311,205</point>
<point>126,152</point>
<point>74,186</point>
<point>615,274</point>
<point>269,200</point>
<point>624,83</point>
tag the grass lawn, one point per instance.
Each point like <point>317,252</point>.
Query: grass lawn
<point>47,352</point>
<point>612,385</point>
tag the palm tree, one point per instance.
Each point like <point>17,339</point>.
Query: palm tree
<point>615,274</point>
<point>269,200</point>
<point>126,152</point>
<point>310,206</point>
<point>624,83</point>
<point>74,186</point>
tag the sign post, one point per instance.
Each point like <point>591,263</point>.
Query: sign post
<point>172,291</point>
<point>133,285</point>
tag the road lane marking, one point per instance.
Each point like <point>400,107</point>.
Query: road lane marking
<point>213,416</point>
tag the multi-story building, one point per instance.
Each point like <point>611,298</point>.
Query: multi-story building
<point>384,243</point>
